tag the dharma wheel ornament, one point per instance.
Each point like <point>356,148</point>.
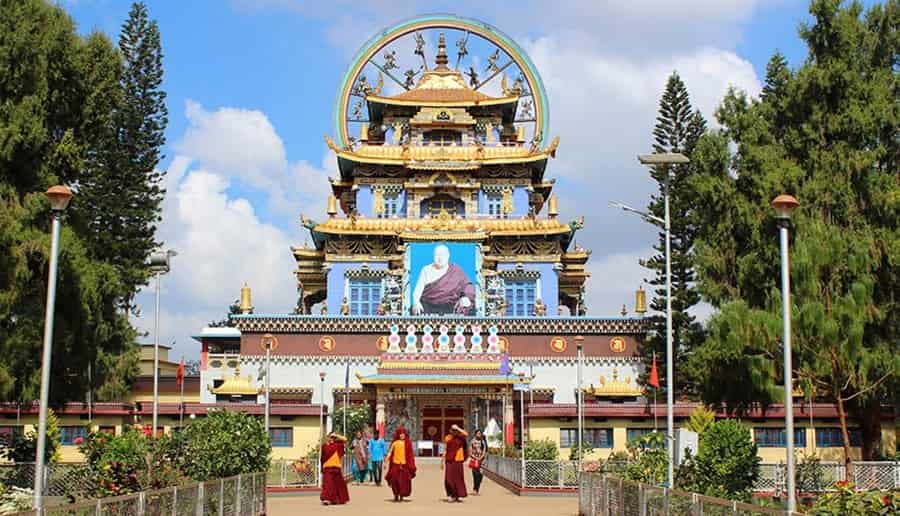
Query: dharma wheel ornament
<point>414,54</point>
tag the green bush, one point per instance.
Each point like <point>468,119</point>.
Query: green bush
<point>542,449</point>
<point>128,463</point>
<point>845,500</point>
<point>587,448</point>
<point>18,447</point>
<point>358,418</point>
<point>810,474</point>
<point>649,459</point>
<point>727,465</point>
<point>222,444</point>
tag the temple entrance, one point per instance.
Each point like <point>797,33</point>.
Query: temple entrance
<point>436,423</point>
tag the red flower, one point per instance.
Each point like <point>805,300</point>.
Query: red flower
<point>842,483</point>
<point>887,500</point>
<point>78,441</point>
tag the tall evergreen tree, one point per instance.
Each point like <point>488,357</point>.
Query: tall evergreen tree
<point>124,194</point>
<point>678,127</point>
<point>826,133</point>
<point>54,127</point>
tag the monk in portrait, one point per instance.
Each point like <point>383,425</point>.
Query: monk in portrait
<point>443,287</point>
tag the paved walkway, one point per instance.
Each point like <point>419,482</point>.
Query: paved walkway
<point>428,498</point>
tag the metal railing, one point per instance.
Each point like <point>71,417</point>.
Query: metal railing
<point>241,495</point>
<point>293,473</point>
<point>812,478</point>
<point>60,479</point>
<point>823,476</point>
<point>601,494</point>
<point>505,467</point>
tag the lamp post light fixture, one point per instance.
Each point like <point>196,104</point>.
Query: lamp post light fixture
<point>579,398</point>
<point>159,264</point>
<point>270,343</point>
<point>665,161</point>
<point>784,206</point>
<point>59,197</point>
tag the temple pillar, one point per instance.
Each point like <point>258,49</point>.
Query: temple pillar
<point>379,415</point>
<point>509,436</point>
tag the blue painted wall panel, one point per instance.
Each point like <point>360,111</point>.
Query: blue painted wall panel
<point>549,283</point>
<point>364,201</point>
<point>336,282</point>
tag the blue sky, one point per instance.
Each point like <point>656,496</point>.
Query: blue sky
<point>251,86</point>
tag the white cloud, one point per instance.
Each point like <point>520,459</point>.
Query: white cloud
<point>221,238</point>
<point>604,106</point>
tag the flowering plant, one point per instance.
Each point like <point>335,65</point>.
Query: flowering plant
<point>846,500</point>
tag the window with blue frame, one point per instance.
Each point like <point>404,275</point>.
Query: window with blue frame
<point>365,296</point>
<point>391,206</point>
<point>281,437</point>
<point>634,434</point>
<point>597,437</point>
<point>69,434</point>
<point>520,296</point>
<point>776,438</point>
<point>832,438</point>
<point>495,205</point>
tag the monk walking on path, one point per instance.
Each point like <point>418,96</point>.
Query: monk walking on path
<point>401,464</point>
<point>334,488</point>
<point>455,455</point>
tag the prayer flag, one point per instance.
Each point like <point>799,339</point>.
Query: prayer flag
<point>654,375</point>
<point>179,373</point>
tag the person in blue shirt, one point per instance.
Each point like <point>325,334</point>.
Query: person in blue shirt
<point>377,450</point>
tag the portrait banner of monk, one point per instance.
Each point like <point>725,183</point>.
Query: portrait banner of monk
<point>443,279</point>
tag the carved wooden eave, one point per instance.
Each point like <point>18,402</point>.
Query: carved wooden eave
<point>445,227</point>
<point>262,323</point>
<point>310,274</point>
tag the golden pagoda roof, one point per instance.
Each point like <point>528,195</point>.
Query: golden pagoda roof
<point>441,86</point>
<point>237,385</point>
<point>615,387</point>
<point>471,156</point>
<point>446,224</point>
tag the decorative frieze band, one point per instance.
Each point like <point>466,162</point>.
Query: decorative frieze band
<point>252,323</point>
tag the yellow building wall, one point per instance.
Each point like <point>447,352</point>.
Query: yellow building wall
<point>305,436</point>
<point>305,432</point>
<point>70,453</point>
<point>549,428</point>
<point>147,397</point>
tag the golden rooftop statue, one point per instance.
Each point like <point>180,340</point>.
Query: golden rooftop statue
<point>615,387</point>
<point>246,307</point>
<point>236,386</point>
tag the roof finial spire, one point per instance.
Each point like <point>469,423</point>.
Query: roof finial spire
<point>441,59</point>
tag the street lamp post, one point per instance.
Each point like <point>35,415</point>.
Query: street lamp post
<point>59,197</point>
<point>159,264</point>
<point>522,422</point>
<point>784,206</point>
<point>321,419</point>
<point>579,398</point>
<point>664,160</point>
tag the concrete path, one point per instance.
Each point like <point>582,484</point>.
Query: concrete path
<point>428,498</point>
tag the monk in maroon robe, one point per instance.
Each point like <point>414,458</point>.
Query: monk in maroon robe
<point>401,464</point>
<point>334,487</point>
<point>455,455</point>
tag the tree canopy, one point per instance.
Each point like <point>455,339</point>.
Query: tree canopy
<point>61,96</point>
<point>826,133</point>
